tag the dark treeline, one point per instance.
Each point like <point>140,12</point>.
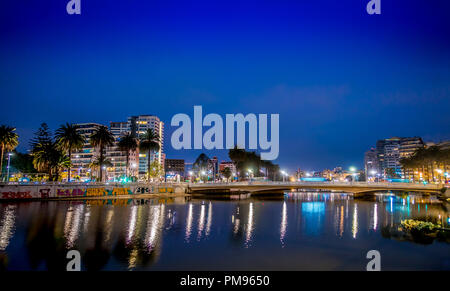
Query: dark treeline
<point>247,164</point>
<point>246,161</point>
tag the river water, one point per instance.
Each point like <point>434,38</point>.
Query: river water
<point>297,231</point>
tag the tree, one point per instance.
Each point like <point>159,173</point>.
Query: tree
<point>23,162</point>
<point>156,170</point>
<point>390,173</point>
<point>98,163</point>
<point>127,143</point>
<point>8,141</point>
<point>102,138</point>
<point>149,142</point>
<point>426,160</point>
<point>226,172</point>
<point>245,161</point>
<point>69,139</point>
<point>42,150</point>
<point>47,156</point>
<point>201,163</point>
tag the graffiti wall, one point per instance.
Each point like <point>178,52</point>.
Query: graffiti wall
<point>62,191</point>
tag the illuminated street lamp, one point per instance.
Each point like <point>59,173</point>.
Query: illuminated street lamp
<point>284,175</point>
<point>373,173</point>
<point>9,162</point>
<point>250,173</point>
<point>353,170</point>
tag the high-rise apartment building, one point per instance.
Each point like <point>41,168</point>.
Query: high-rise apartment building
<point>138,125</point>
<point>388,151</point>
<point>371,163</point>
<point>213,167</point>
<point>81,159</point>
<point>117,157</point>
<point>391,150</point>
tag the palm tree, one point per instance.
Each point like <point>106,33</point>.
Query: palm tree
<point>101,139</point>
<point>69,139</point>
<point>149,142</point>
<point>127,143</point>
<point>98,163</point>
<point>8,141</point>
<point>49,158</point>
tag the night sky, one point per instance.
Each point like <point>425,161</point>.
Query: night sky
<point>339,78</point>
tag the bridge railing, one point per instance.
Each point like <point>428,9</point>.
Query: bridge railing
<point>321,184</point>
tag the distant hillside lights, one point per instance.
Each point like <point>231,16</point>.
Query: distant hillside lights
<point>213,137</point>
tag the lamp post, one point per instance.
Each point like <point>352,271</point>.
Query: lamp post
<point>352,170</point>
<point>106,174</point>
<point>9,162</point>
<point>374,173</point>
<point>284,175</point>
<point>202,173</point>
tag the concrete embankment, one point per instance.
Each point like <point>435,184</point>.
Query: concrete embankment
<point>88,191</point>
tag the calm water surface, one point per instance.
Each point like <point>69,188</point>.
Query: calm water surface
<point>300,231</point>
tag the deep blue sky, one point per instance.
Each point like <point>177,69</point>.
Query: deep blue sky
<point>339,78</point>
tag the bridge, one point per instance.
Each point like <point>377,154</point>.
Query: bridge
<point>58,190</point>
<point>358,188</point>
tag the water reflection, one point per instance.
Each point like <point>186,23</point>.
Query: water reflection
<point>7,226</point>
<point>189,222</point>
<point>201,221</point>
<point>249,226</point>
<point>161,234</point>
<point>355,221</point>
<point>72,225</point>
<point>375,216</point>
<point>283,225</point>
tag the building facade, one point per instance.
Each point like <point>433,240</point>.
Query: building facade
<point>118,158</point>
<point>82,159</point>
<point>174,167</point>
<point>138,125</point>
<point>371,164</point>
<point>409,145</point>
<point>391,150</point>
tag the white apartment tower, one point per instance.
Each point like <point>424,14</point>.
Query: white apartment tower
<point>117,157</point>
<point>138,125</point>
<point>81,159</point>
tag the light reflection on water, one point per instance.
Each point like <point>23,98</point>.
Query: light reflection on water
<point>317,231</point>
